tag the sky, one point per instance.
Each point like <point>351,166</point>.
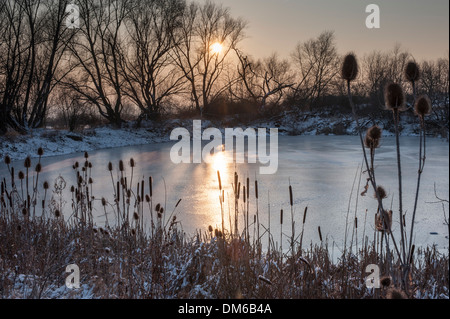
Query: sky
<point>421,27</point>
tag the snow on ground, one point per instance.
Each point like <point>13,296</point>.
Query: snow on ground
<point>62,142</point>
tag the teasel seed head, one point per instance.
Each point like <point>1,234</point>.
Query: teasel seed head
<point>216,232</point>
<point>371,143</point>
<point>132,162</point>
<point>121,166</point>
<point>110,167</point>
<point>38,168</point>
<point>385,281</point>
<point>21,175</point>
<point>422,107</point>
<point>210,228</point>
<point>381,192</point>
<point>133,231</point>
<point>412,72</point>
<point>24,212</point>
<point>7,160</point>
<point>349,70</point>
<point>86,155</point>
<point>394,293</point>
<point>40,151</point>
<point>147,198</point>
<point>374,132</point>
<point>158,206</point>
<point>394,97</point>
<point>57,213</point>
<point>72,189</point>
<point>136,216</point>
<point>46,186</point>
<point>103,202</point>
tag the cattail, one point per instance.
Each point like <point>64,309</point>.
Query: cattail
<point>110,166</point>
<point>320,234</point>
<point>27,163</point>
<point>178,203</point>
<point>304,214</point>
<point>356,222</point>
<point>395,293</point>
<point>38,168</point>
<point>422,106</point>
<point>216,232</point>
<point>7,160</point>
<point>394,97</point>
<point>349,70</point>
<point>46,186</point>
<point>412,253</point>
<point>412,72</point>
<point>121,166</point>
<point>21,175</point>
<point>24,212</point>
<point>385,281</point>
<point>248,187</point>
<point>135,216</point>
<point>210,229</point>
<point>150,184</point>
<point>133,232</point>
<point>57,213</point>
<point>381,192</point>
<point>220,182</point>
<point>291,200</point>
<point>219,234</point>
<point>256,189</point>
<point>132,162</point>
<point>281,217</point>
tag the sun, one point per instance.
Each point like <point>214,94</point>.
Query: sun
<point>216,48</point>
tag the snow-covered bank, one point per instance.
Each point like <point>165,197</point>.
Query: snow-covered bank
<point>61,142</point>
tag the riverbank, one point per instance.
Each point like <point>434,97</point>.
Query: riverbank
<point>62,142</point>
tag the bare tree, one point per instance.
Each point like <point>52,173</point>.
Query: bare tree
<point>148,67</point>
<point>263,81</point>
<point>96,54</point>
<point>201,28</point>
<point>32,43</point>
<point>317,65</point>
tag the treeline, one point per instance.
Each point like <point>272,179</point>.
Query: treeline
<point>135,59</point>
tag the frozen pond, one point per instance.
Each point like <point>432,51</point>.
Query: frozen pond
<point>321,170</point>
